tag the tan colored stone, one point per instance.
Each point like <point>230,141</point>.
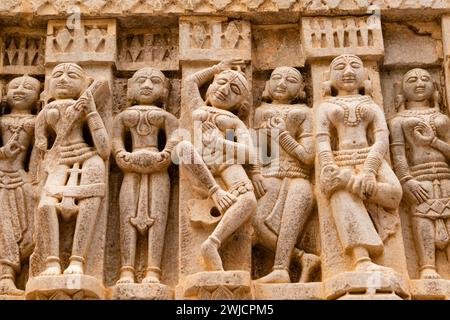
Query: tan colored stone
<point>291,291</point>
<point>141,291</point>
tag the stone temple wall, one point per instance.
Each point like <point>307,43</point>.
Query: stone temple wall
<point>112,39</point>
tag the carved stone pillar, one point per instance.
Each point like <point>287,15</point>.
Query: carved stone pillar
<point>323,39</point>
<point>92,45</point>
<point>446,47</point>
<point>203,42</point>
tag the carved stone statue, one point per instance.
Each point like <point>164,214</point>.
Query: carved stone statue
<point>352,140</point>
<point>16,193</point>
<point>224,147</point>
<point>284,209</point>
<point>74,171</point>
<point>421,151</point>
<point>145,191</point>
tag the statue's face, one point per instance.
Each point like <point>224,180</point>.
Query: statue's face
<point>23,92</point>
<point>347,73</point>
<point>417,85</point>
<point>226,91</point>
<point>285,84</point>
<point>67,81</point>
<point>148,86</point>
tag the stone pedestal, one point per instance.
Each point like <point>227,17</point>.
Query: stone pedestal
<point>430,289</point>
<point>288,291</point>
<point>142,291</point>
<point>64,287</point>
<point>220,285</point>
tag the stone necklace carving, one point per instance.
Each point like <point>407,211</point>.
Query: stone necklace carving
<point>354,119</point>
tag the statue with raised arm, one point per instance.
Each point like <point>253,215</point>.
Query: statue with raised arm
<point>352,140</point>
<point>73,167</point>
<point>285,194</point>
<point>421,151</point>
<point>145,190</point>
<point>16,193</point>
<point>225,146</point>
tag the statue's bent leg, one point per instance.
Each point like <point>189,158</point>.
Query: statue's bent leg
<point>128,234</point>
<point>93,171</point>
<point>264,235</point>
<point>389,190</point>
<point>47,222</point>
<point>160,196</point>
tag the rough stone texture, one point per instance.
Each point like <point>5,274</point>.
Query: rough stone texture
<point>228,233</point>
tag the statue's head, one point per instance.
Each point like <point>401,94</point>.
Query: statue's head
<point>229,91</point>
<point>347,74</point>
<point>68,81</point>
<point>284,86</point>
<point>418,86</point>
<point>147,86</point>
<point>23,92</point>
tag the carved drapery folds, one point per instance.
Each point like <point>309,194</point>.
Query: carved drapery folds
<point>224,149</point>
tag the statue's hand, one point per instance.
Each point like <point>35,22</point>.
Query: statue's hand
<point>230,63</point>
<point>210,134</point>
<point>368,185</point>
<point>87,103</point>
<point>423,133</point>
<point>12,148</point>
<point>259,184</point>
<point>276,123</point>
<point>333,178</point>
<point>415,191</point>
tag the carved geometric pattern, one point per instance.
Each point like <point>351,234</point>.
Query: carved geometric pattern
<point>159,48</point>
<point>95,38</point>
<point>223,293</point>
<point>200,36</point>
<point>22,53</point>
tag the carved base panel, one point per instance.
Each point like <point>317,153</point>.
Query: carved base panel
<point>142,291</point>
<point>288,291</point>
<point>64,287</point>
<point>366,284</point>
<point>430,289</point>
<point>217,285</point>
<point>370,296</point>
<point>10,297</point>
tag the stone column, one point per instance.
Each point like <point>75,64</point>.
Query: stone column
<point>205,41</point>
<point>323,39</point>
<point>446,47</point>
<point>92,45</point>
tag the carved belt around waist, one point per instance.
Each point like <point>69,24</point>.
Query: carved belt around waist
<point>431,171</point>
<point>345,158</point>
<point>79,152</point>
<point>11,180</point>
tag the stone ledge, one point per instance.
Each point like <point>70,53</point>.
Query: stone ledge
<point>435,289</point>
<point>142,291</point>
<point>288,291</point>
<point>64,287</point>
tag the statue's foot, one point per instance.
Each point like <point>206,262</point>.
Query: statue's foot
<point>52,269</point>
<point>74,268</point>
<point>7,287</point>
<point>369,266</point>
<point>309,263</point>
<point>150,279</point>
<point>211,255</point>
<point>125,280</point>
<point>276,276</point>
<point>429,273</point>
<point>223,199</point>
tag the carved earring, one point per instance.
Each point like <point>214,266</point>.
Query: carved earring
<point>266,95</point>
<point>326,88</point>
<point>436,97</point>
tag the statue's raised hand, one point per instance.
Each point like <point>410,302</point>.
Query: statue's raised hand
<point>230,64</point>
<point>423,133</point>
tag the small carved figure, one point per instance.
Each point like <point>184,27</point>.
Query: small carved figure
<point>363,191</point>
<point>16,193</point>
<point>225,147</point>
<point>145,191</point>
<point>285,208</point>
<point>74,171</point>
<point>420,148</point>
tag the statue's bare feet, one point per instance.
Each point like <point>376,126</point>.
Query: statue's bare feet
<point>75,267</point>
<point>309,263</point>
<point>152,276</point>
<point>211,256</point>
<point>369,266</point>
<point>223,200</point>
<point>276,276</point>
<point>429,273</point>
<point>126,276</point>
<point>7,287</point>
<point>52,269</point>
<point>150,279</point>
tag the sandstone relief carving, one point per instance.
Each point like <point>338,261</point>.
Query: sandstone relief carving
<point>362,188</point>
<point>16,181</point>
<point>215,163</point>
<point>145,190</point>
<point>419,134</point>
<point>286,193</point>
<point>73,172</point>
